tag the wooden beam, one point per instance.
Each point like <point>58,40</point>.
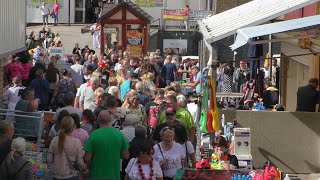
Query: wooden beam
<point>145,39</point>
<point>102,38</point>
<point>120,21</point>
<point>124,31</point>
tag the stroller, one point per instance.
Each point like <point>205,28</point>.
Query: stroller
<point>247,101</point>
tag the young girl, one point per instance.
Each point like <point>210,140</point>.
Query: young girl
<point>87,120</point>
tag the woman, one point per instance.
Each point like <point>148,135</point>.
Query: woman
<point>41,88</point>
<point>221,155</point>
<point>28,102</point>
<point>169,154</point>
<point>149,84</point>
<point>15,167</point>
<point>227,79</point>
<point>98,94</point>
<point>65,87</point>
<point>78,132</point>
<point>144,166</point>
<point>182,138</point>
<point>11,97</point>
<point>65,152</point>
<point>122,76</point>
<point>57,38</point>
<point>52,75</point>
<point>133,106</point>
<point>26,65</point>
<point>13,69</point>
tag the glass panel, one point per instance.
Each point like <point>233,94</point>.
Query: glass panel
<point>79,16</point>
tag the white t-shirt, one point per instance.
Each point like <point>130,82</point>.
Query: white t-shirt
<point>189,147</point>
<point>44,10</point>
<point>87,97</point>
<point>133,172</point>
<point>174,157</point>
<point>76,73</point>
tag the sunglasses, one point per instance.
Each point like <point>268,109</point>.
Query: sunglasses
<point>169,114</point>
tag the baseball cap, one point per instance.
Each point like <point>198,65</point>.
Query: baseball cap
<point>102,64</point>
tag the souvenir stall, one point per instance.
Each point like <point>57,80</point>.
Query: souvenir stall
<point>131,24</point>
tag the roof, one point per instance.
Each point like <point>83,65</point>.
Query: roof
<point>252,13</point>
<point>244,34</point>
<point>130,6</point>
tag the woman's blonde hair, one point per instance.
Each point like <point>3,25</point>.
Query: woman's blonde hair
<point>98,91</point>
<point>113,81</point>
<point>127,102</point>
<point>17,145</point>
<point>66,127</point>
<point>96,74</point>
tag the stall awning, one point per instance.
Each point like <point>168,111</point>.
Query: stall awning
<point>252,13</point>
<point>244,34</point>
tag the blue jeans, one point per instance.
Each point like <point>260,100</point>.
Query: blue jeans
<point>45,19</point>
<point>56,18</point>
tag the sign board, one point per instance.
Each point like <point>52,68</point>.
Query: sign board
<point>110,30</point>
<point>134,37</point>
<point>135,50</point>
<point>149,3</point>
<point>174,15</point>
<point>38,3</point>
<point>175,46</point>
<point>195,15</point>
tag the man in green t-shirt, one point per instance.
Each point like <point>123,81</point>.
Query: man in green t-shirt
<point>104,148</point>
<point>182,114</point>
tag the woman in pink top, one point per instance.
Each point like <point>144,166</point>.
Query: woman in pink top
<point>14,69</point>
<point>56,7</point>
<point>78,132</point>
<point>26,65</point>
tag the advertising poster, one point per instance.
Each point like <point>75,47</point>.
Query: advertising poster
<point>134,42</point>
<point>175,46</point>
<point>149,3</point>
<point>174,15</point>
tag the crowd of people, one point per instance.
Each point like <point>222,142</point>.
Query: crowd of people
<point>108,107</point>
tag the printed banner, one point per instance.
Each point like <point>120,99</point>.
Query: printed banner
<point>135,50</point>
<point>174,15</point>
<point>175,46</point>
<point>149,3</point>
<point>134,37</point>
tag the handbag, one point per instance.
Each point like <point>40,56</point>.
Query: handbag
<point>75,165</point>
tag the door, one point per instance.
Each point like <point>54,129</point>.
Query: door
<point>80,11</point>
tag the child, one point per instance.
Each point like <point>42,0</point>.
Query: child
<point>87,120</point>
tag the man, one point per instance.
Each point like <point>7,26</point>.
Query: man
<point>6,134</point>
<point>171,121</point>
<point>130,122</point>
<point>125,87</point>
<point>76,70</point>
<point>45,11</point>
<point>76,49</point>
<point>270,96</point>
<point>87,96</point>
<point>196,82</point>
<point>68,101</point>
<point>104,148</point>
<point>38,52</point>
<point>154,108</point>
<point>169,71</point>
<point>308,96</point>
<point>144,99</point>
<point>184,69</point>
<point>241,76</point>
<point>182,114</point>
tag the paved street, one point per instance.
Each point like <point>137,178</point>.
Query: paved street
<point>69,35</point>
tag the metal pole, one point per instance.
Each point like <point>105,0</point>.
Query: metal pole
<point>270,55</point>
<point>69,14</point>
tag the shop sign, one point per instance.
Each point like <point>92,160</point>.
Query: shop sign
<point>135,50</point>
<point>134,37</point>
<point>174,15</point>
<point>149,3</point>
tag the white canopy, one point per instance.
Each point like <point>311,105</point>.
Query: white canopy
<point>244,34</point>
<point>252,13</point>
